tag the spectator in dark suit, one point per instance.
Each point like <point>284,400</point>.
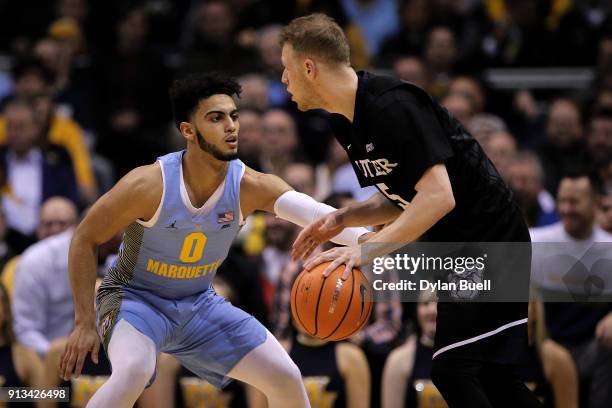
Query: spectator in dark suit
<point>31,173</point>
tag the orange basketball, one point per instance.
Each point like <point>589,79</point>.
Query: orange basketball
<point>330,308</point>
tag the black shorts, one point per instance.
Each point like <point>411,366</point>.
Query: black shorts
<point>494,330</point>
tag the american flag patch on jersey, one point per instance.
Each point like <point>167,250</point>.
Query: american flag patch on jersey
<point>225,217</point>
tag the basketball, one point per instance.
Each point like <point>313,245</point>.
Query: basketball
<point>330,308</point>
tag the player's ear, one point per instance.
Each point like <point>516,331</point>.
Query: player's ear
<point>187,131</point>
<point>311,68</point>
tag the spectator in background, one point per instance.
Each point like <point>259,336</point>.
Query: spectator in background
<point>564,148</point>
<point>335,167</point>
<point>35,84</point>
<point>280,140</point>
<point>604,212</point>
<point>471,89</point>
<point>460,106</point>
<point>30,78</point>
<point>415,18</point>
<point>250,139</point>
<point>132,101</point>
<point>212,46</point>
<point>19,366</point>
<point>255,93</point>
<point>71,88</point>
<point>548,369</point>
<point>376,20</point>
<point>56,215</point>
<point>6,252</point>
<point>335,374</point>
<point>65,132</point>
<point>500,147</point>
<point>406,380</point>
<point>526,178</point>
<point>576,38</point>
<point>599,136</point>
<point>440,58</point>
<point>269,49</point>
<point>300,176</point>
<point>483,125</point>
<point>32,173</point>
<point>516,35</point>
<point>411,69</point>
<point>604,60</point>
<point>42,300</point>
<point>585,329</point>
<point>278,272</point>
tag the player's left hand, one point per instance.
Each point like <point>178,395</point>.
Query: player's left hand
<point>349,256</point>
<point>603,332</point>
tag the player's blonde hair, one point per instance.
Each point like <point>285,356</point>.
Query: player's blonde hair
<point>317,35</point>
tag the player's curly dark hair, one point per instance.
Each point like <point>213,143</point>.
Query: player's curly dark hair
<point>186,93</point>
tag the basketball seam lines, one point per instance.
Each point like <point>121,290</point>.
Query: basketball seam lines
<point>347,308</point>
<point>317,307</point>
<point>297,311</point>
<point>361,324</point>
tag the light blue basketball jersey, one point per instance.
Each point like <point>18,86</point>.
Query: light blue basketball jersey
<point>177,253</point>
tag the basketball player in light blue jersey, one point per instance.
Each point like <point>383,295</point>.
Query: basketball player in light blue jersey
<point>180,216</point>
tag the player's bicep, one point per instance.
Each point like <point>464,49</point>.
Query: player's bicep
<point>135,197</point>
<point>260,191</point>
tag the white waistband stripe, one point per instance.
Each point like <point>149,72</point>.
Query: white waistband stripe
<point>479,337</point>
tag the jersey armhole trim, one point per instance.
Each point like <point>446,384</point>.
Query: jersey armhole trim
<point>241,220</point>
<point>153,220</point>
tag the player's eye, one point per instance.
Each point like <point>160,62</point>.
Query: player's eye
<point>216,118</point>
<point>235,116</point>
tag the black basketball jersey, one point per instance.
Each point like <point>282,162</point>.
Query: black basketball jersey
<point>398,132</point>
<point>194,392</point>
<point>322,380</point>
<point>8,374</point>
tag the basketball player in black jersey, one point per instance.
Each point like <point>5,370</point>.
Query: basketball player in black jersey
<point>435,182</point>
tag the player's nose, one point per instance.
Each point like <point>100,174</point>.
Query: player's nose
<point>284,79</point>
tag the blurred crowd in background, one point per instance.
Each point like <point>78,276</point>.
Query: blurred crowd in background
<point>83,100</point>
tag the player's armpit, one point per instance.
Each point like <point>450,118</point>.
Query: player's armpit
<point>135,197</point>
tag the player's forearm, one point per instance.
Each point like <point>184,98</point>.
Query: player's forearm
<point>82,271</point>
<point>377,210</point>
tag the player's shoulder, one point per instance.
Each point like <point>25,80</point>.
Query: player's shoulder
<point>384,91</point>
<point>254,180</point>
<point>144,180</point>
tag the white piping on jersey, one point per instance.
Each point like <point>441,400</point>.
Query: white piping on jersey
<point>209,204</point>
<point>241,221</point>
<point>480,337</point>
<point>153,220</point>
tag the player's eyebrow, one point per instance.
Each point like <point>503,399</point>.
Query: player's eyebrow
<point>220,112</point>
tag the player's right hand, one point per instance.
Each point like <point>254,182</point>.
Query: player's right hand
<point>316,233</point>
<point>83,339</point>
